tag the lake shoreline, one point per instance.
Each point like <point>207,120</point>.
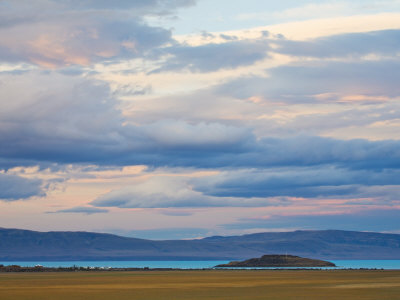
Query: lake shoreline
<point>40,269</point>
<point>52,266</point>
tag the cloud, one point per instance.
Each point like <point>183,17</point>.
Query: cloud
<point>14,187</point>
<point>47,116</point>
<point>212,57</point>
<point>55,118</point>
<point>257,188</point>
<point>83,210</point>
<point>182,135</point>
<point>298,151</point>
<point>176,212</point>
<point>364,117</point>
<point>380,43</point>
<point>58,45</point>
<point>170,191</point>
<point>55,34</point>
<point>307,82</point>
<point>313,182</point>
<point>66,119</point>
<point>139,7</point>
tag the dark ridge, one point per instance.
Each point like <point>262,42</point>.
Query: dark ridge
<point>25,245</point>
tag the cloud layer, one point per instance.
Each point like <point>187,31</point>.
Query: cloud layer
<point>55,34</point>
<point>165,192</point>
<point>324,182</point>
<point>83,210</point>
<point>249,119</point>
<point>14,187</point>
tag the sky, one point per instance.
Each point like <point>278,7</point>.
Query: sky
<point>181,119</point>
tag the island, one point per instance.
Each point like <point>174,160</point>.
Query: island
<point>278,261</point>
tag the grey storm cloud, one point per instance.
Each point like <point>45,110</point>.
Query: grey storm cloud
<point>257,188</point>
<point>138,7</point>
<point>64,119</point>
<point>235,53</point>
<point>69,119</point>
<point>170,192</point>
<point>61,33</point>
<point>295,182</point>
<point>212,57</point>
<point>303,83</point>
<point>58,112</point>
<point>142,6</point>
<point>385,42</point>
<point>14,187</point>
<point>83,210</point>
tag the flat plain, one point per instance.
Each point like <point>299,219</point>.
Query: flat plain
<point>203,284</point>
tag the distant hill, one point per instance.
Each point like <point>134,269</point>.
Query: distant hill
<point>18,244</point>
<point>278,261</point>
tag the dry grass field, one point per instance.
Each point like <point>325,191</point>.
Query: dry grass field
<point>218,284</point>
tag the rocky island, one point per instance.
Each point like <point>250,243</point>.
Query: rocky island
<point>277,261</point>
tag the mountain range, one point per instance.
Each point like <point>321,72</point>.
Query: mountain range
<point>20,245</point>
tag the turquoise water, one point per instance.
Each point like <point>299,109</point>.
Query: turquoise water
<point>341,264</point>
<point>368,264</point>
<point>121,264</point>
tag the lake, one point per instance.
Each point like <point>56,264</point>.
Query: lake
<point>341,264</point>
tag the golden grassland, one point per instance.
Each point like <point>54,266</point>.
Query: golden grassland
<point>208,284</point>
